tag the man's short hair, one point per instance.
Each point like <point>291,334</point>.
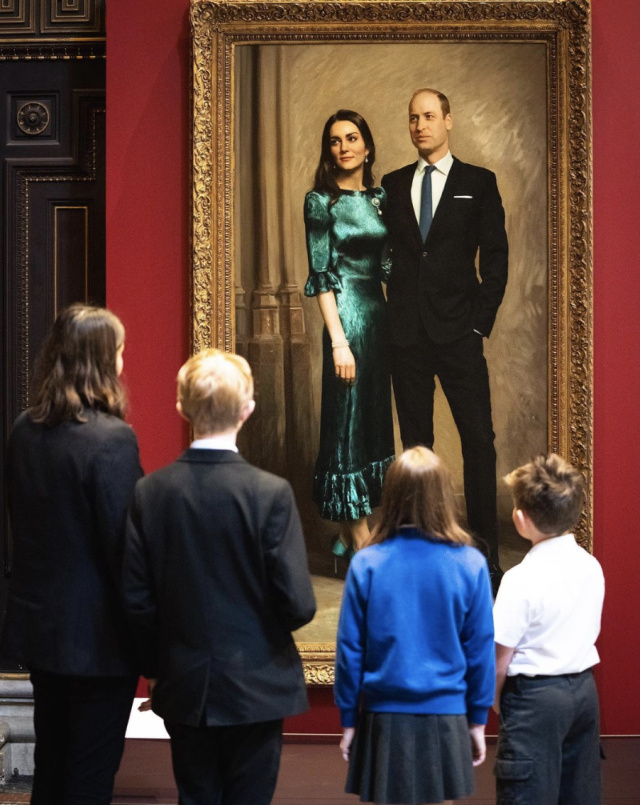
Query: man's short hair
<point>213,388</point>
<point>549,491</point>
<point>444,101</point>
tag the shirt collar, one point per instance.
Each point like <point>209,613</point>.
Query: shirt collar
<point>215,443</point>
<point>443,165</point>
<point>553,543</point>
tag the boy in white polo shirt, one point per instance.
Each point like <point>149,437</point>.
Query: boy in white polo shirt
<point>547,618</point>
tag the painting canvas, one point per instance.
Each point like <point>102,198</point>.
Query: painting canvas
<point>276,85</point>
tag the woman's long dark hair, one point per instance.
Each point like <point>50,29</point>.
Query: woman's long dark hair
<point>417,493</point>
<point>77,367</point>
<point>325,179</point>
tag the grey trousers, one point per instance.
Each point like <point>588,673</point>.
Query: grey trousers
<point>549,743</point>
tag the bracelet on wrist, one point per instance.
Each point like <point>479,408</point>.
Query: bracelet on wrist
<point>336,344</point>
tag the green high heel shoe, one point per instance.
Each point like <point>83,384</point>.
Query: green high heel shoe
<point>339,548</point>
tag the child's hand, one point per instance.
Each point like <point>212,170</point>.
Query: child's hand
<point>146,704</point>
<point>345,743</point>
<point>478,743</point>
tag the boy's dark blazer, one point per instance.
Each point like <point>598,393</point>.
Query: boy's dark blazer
<point>69,486</point>
<point>215,580</point>
<point>436,282</point>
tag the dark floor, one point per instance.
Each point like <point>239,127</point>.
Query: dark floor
<point>314,774</point>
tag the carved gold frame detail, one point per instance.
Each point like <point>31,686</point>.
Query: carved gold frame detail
<point>564,26</point>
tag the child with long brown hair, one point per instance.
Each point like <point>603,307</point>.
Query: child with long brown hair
<point>72,464</point>
<point>414,662</point>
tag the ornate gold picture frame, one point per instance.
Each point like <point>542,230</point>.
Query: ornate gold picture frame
<point>553,34</point>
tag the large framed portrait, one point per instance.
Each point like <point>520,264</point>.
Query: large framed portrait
<point>266,76</point>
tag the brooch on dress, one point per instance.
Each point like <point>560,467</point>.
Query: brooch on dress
<point>376,204</point>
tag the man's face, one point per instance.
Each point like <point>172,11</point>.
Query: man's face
<point>428,127</point>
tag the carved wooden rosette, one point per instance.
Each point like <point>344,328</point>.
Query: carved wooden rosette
<point>562,25</point>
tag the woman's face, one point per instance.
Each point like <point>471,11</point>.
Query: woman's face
<point>348,148</point>
<point>120,359</point>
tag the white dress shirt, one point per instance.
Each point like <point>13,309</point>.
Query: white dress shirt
<point>438,179</point>
<point>223,442</point>
<point>549,608</point>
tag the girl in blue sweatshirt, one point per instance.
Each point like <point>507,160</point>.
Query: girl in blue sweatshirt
<point>415,655</point>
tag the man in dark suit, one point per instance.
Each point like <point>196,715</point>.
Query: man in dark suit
<point>441,214</point>
<point>215,581</point>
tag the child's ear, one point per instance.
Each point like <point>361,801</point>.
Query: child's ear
<point>520,520</point>
<point>179,410</point>
<point>247,409</point>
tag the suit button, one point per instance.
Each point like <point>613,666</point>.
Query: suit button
<point>424,254</point>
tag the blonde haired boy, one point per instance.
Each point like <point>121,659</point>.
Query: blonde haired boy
<point>215,581</point>
<point>547,619</point>
<point>215,392</point>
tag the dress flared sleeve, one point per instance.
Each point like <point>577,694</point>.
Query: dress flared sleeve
<point>317,221</point>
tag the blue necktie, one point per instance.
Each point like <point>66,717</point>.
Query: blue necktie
<point>426,203</point>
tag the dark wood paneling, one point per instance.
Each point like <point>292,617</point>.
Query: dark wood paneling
<point>48,187</point>
<point>55,18</point>
<point>84,17</point>
<point>70,247</point>
<point>18,17</point>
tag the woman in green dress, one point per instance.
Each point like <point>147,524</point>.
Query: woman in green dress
<point>346,240</point>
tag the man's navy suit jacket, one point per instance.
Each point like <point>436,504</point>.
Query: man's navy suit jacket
<point>436,282</point>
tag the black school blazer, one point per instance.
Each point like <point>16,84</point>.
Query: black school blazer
<point>69,486</point>
<point>215,580</point>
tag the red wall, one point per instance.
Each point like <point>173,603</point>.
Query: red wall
<point>147,284</point>
<point>616,181</point>
<point>148,209</point>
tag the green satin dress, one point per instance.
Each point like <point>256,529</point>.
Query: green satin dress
<point>346,244</point>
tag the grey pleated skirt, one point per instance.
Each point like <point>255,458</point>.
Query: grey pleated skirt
<point>405,759</point>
